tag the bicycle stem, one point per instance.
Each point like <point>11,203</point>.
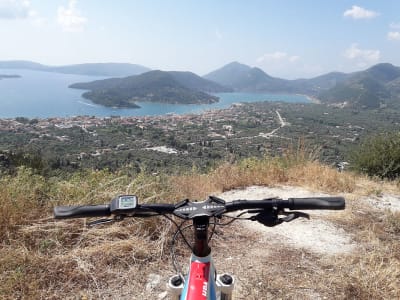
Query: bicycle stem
<point>201,247</point>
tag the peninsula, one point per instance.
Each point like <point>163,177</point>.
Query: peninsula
<point>153,86</point>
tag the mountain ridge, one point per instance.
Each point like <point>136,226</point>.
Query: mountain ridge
<point>374,87</point>
<point>371,88</point>
<point>92,69</point>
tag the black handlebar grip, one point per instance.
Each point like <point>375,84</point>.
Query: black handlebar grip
<point>84,211</point>
<point>333,203</point>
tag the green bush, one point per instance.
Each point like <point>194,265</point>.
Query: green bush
<point>378,156</point>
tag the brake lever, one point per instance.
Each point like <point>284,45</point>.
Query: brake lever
<point>270,218</point>
<point>290,216</point>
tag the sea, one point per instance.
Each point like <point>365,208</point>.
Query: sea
<point>38,94</point>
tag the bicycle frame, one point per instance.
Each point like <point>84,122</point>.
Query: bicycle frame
<point>202,282</point>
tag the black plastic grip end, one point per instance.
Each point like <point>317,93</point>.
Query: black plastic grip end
<point>85,211</point>
<point>332,203</point>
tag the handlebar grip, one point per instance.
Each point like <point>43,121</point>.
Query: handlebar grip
<point>66,212</point>
<point>333,203</point>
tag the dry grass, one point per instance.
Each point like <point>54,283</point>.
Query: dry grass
<point>266,172</point>
<point>44,259</point>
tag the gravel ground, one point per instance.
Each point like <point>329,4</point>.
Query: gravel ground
<point>317,235</point>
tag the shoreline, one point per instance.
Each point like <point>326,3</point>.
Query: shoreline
<point>311,98</point>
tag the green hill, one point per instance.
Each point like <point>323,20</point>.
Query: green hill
<point>372,88</point>
<point>153,86</point>
<point>243,78</point>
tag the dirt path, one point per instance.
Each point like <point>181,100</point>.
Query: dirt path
<point>317,235</point>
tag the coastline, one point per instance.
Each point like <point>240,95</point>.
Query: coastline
<point>311,99</point>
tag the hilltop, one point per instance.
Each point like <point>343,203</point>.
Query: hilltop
<point>243,78</point>
<point>153,86</point>
<point>334,255</point>
<point>247,152</point>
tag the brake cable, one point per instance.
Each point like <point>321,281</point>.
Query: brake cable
<point>234,218</point>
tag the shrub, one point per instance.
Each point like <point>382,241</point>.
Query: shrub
<point>379,156</point>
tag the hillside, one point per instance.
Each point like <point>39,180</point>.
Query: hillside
<point>371,88</point>
<point>229,75</point>
<point>314,86</point>
<point>334,255</point>
<point>153,86</point>
<point>195,82</point>
<point>92,69</point>
<point>243,78</point>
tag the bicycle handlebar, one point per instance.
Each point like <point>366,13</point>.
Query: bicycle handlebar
<point>331,203</point>
<point>212,207</point>
<point>82,211</point>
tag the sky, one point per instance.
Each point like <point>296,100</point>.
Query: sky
<point>285,38</point>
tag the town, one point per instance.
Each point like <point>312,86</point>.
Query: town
<point>182,141</point>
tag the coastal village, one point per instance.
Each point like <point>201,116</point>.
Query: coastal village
<point>244,129</point>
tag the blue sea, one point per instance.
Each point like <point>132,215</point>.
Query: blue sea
<point>43,94</point>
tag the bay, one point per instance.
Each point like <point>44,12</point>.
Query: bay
<point>40,94</point>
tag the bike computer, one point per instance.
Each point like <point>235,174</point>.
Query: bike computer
<point>123,203</point>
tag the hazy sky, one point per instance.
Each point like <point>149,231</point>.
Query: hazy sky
<point>285,38</point>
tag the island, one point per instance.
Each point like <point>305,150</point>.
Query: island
<point>153,86</point>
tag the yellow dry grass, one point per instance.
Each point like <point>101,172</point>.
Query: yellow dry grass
<point>44,259</point>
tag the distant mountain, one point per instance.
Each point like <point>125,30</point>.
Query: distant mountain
<point>383,72</point>
<point>152,86</point>
<point>9,76</point>
<point>102,69</point>
<point>317,84</point>
<point>243,78</point>
<point>376,86</point>
<point>231,75</point>
<point>21,64</point>
<point>93,69</point>
<point>193,81</point>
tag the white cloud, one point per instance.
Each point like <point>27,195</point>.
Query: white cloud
<point>393,36</point>
<point>357,12</point>
<point>362,57</point>
<point>70,18</point>
<point>277,56</point>
<point>15,9</point>
<point>394,25</point>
